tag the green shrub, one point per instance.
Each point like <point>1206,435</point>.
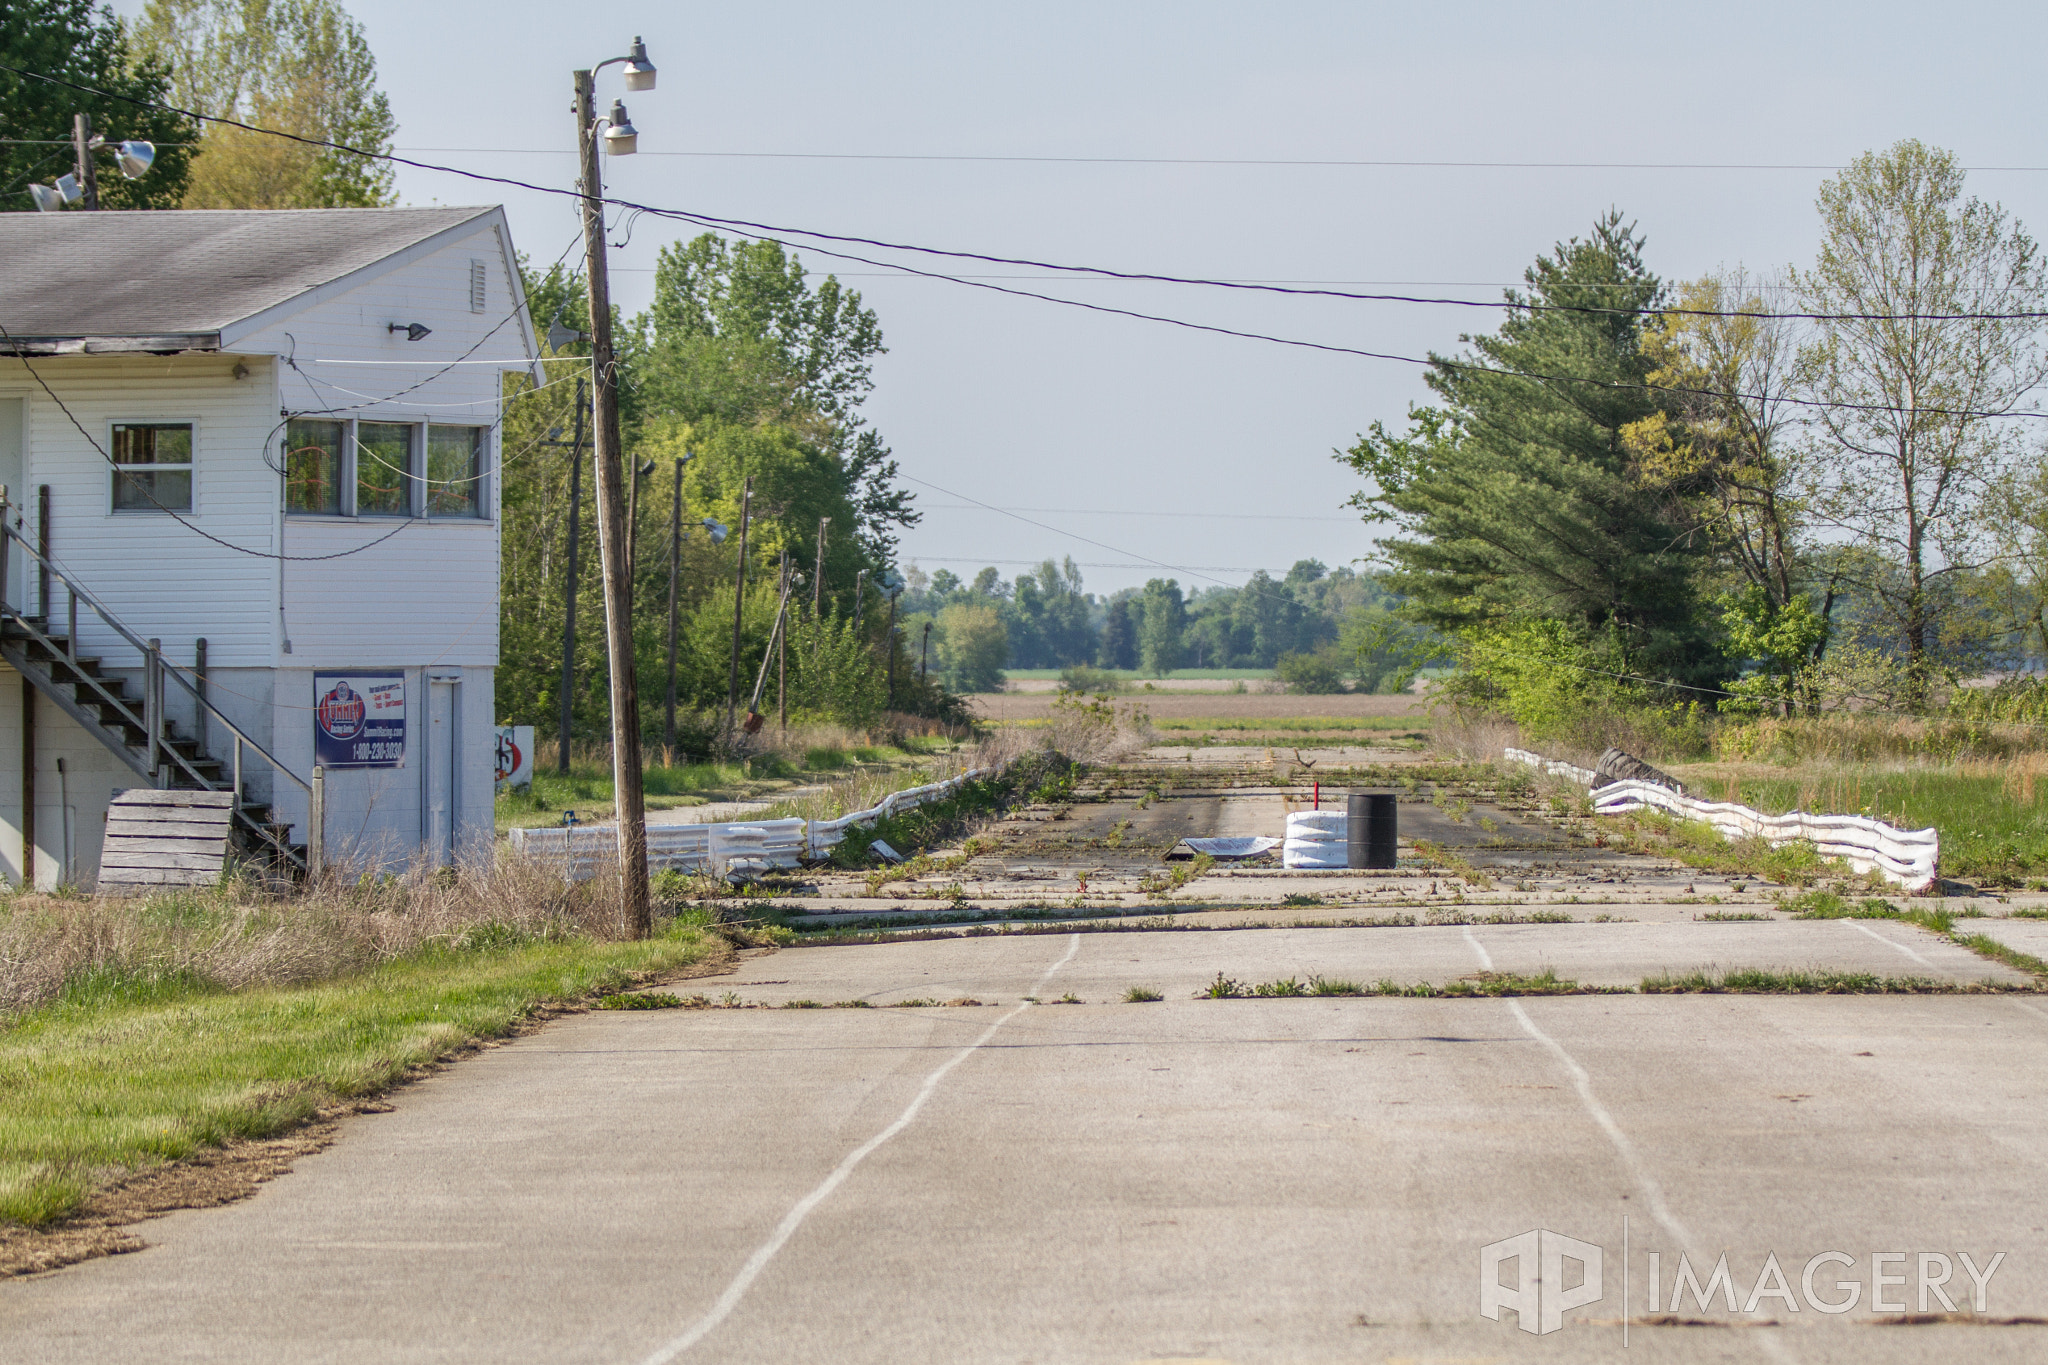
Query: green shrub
<point>1317,674</point>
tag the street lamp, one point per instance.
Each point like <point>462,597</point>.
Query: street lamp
<point>133,158</point>
<point>620,138</point>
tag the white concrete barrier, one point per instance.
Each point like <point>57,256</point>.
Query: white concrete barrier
<point>1907,858</point>
<point>1315,838</point>
<point>583,849</point>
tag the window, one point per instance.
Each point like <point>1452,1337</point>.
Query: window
<point>154,466</point>
<point>383,469</point>
<point>312,466</point>
<point>455,467</point>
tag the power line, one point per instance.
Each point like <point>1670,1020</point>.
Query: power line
<point>767,233</point>
<point>1000,159</point>
<point>1079,564</point>
<point>1136,512</point>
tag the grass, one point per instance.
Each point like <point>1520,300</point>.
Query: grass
<point>1140,995</point>
<point>1546,982</point>
<point>1757,981</point>
<point>1319,724</point>
<point>130,1068</point>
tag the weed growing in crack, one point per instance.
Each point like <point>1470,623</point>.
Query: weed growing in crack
<point>1140,995</point>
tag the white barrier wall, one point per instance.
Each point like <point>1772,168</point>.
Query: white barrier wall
<point>1908,858</point>
<point>584,849</point>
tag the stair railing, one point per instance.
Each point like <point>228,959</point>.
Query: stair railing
<point>162,761</point>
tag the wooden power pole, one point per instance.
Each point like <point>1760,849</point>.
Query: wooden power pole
<point>636,911</point>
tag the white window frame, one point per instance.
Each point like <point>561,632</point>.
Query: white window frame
<point>191,466</point>
<point>415,472</point>
<point>415,468</point>
<point>484,453</point>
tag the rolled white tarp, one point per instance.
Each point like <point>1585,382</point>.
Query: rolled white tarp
<point>1316,838</point>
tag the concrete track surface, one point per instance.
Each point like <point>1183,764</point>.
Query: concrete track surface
<point>1192,1179</point>
<point>1242,1180</point>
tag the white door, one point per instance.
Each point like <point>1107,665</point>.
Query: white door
<point>15,477</point>
<point>442,753</point>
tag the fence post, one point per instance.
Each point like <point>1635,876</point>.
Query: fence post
<point>152,702</point>
<point>316,825</point>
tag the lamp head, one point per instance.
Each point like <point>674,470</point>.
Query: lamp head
<point>68,186</point>
<point>717,529</point>
<point>639,71</point>
<point>621,138</point>
<point>135,158</point>
<point>414,331</point>
<point>48,200</point>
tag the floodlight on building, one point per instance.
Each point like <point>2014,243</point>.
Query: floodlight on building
<point>639,72</point>
<point>135,158</point>
<point>621,138</point>
<point>414,331</point>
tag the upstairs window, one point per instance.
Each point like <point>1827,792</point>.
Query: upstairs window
<point>313,454</point>
<point>384,470</point>
<point>455,466</point>
<point>153,466</point>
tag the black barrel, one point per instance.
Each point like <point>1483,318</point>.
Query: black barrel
<point>1372,828</point>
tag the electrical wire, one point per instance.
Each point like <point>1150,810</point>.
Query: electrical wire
<point>770,231</point>
<point>1201,160</point>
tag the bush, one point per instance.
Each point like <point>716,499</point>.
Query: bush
<point>1317,674</point>
<point>1082,678</point>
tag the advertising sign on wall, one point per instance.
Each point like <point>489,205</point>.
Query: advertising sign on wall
<point>359,719</point>
<point>515,756</point>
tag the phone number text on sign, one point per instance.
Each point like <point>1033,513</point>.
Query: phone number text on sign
<point>359,719</point>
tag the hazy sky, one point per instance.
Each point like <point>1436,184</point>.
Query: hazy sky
<point>1208,453</point>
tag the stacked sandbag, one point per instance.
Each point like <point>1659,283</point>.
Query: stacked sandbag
<point>1315,838</point>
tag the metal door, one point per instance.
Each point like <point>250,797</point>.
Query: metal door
<point>443,751</point>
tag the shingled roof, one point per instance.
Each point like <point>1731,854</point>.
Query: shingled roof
<point>171,280</point>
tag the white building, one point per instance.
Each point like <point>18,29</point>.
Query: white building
<point>275,433</point>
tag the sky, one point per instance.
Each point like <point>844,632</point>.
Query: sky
<point>1146,450</point>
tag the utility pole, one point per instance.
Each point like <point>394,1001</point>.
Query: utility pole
<point>675,556</point>
<point>782,658</point>
<point>860,598</point>
<point>818,586</point>
<point>569,592</point>
<point>924,653</point>
<point>88,176</point>
<point>889,643</point>
<point>739,602</point>
<point>635,910</point>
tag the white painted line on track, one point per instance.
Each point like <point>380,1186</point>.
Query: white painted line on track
<point>803,1208</point>
<point>1653,1193</point>
<point>1889,943</point>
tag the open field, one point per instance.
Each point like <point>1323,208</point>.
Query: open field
<point>1005,707</point>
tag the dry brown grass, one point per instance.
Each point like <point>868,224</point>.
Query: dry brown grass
<point>239,935</point>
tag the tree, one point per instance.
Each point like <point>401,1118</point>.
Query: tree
<point>737,331</point>
<point>66,40</point>
<point>1159,630</point>
<point>1723,451</point>
<point>1119,647</point>
<point>297,66</point>
<point>1921,357</point>
<point>973,646</point>
<point>1520,494</point>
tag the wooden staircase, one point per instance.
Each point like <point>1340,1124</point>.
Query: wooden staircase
<point>101,703</point>
<point>138,730</point>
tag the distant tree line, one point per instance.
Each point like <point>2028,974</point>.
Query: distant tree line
<point>1324,629</point>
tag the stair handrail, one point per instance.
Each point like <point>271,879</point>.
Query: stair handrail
<point>153,662</point>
